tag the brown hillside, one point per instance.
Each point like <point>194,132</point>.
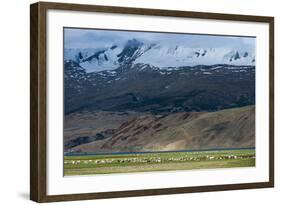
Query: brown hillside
<point>176,131</point>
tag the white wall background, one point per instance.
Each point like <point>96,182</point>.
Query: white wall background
<point>14,101</point>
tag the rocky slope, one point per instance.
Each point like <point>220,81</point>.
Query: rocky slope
<point>144,88</point>
<point>127,132</point>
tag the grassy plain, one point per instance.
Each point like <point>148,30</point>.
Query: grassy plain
<point>163,161</point>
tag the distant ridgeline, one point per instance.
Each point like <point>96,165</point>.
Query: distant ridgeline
<point>157,78</point>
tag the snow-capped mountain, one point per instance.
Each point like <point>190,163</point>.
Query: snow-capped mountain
<point>177,56</point>
<point>159,55</point>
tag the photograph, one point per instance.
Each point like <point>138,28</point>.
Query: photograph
<point>144,101</point>
<point>132,101</point>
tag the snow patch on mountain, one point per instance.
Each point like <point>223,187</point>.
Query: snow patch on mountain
<point>78,55</point>
<point>102,60</point>
<point>177,56</point>
<point>156,55</point>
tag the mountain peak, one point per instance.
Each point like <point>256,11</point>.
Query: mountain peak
<point>129,53</point>
<point>161,55</point>
<point>113,47</point>
<point>133,43</point>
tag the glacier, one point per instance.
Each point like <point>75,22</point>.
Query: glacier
<point>160,55</point>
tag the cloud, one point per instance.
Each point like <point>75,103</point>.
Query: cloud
<point>97,38</point>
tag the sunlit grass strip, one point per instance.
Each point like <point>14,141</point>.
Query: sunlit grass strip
<point>227,158</point>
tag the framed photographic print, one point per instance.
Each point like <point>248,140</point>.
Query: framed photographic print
<point>135,102</point>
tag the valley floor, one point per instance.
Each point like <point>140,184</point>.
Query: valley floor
<point>165,161</point>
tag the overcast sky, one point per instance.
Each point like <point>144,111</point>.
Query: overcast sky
<point>93,38</point>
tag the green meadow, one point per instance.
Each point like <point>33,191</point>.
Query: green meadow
<point>163,161</point>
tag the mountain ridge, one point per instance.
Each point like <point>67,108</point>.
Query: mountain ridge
<point>146,96</point>
<point>141,87</point>
<point>156,54</point>
<point>147,132</point>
